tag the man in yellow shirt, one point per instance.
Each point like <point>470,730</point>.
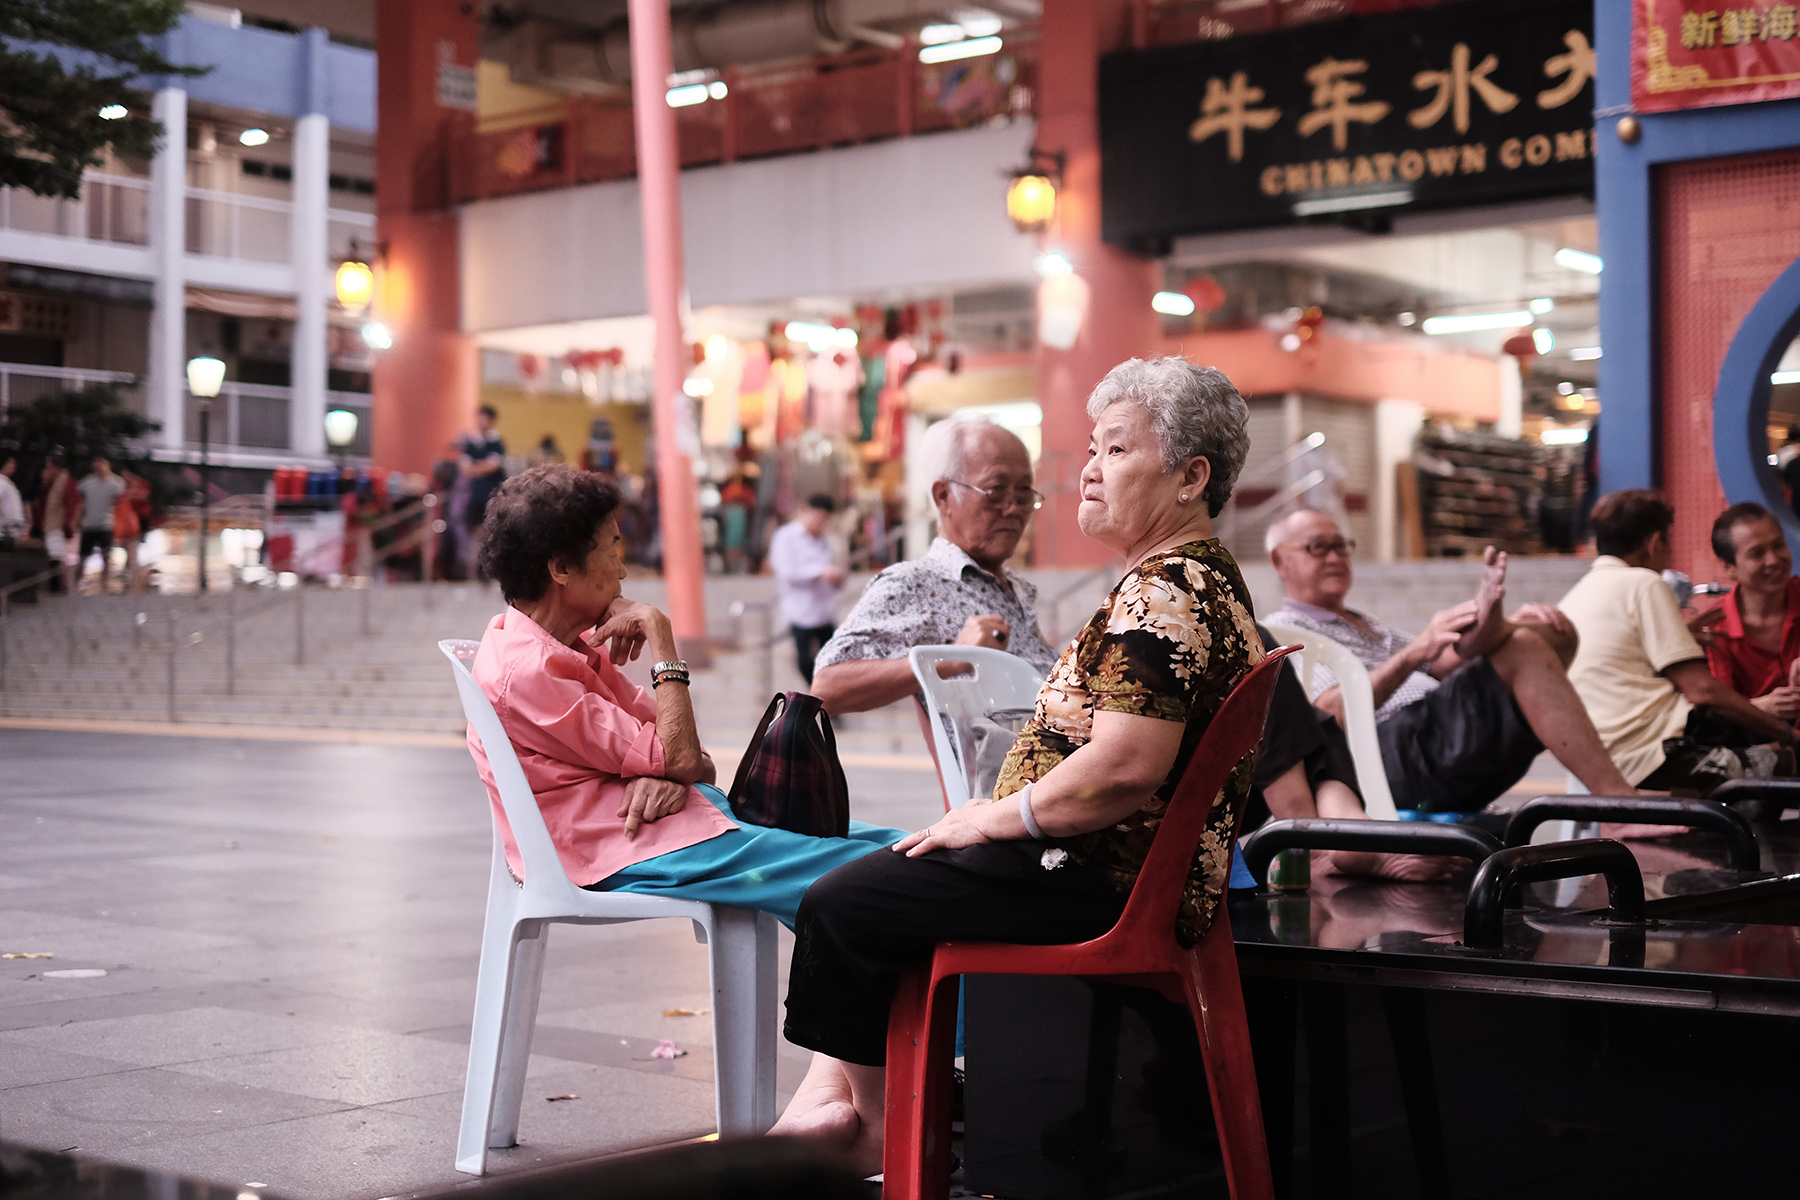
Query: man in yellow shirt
<point>1664,718</point>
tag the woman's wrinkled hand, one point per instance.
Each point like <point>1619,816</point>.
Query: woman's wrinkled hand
<point>628,624</point>
<point>955,829</point>
<point>648,799</point>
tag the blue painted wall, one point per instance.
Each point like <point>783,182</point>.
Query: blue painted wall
<point>1624,198</point>
<point>281,74</point>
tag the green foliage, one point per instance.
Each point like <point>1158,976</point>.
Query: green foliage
<point>79,425</point>
<point>50,123</point>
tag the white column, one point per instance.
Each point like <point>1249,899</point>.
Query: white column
<point>167,391</point>
<point>1512,397</point>
<point>312,282</point>
<point>1396,425</point>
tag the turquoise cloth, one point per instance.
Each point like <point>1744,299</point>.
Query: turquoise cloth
<point>750,867</point>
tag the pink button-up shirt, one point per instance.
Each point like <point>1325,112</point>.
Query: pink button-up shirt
<point>581,730</point>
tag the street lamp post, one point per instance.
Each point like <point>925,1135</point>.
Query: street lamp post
<point>206,375</point>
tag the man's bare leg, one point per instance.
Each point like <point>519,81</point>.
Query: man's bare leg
<point>1533,672</point>
<point>1489,631</point>
<point>842,1105</point>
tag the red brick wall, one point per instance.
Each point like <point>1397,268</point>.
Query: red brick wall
<point>1727,228</point>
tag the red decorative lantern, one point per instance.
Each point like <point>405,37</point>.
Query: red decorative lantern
<point>1205,292</point>
<point>1521,347</point>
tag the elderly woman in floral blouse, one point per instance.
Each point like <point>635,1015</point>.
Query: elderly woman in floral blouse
<point>1052,858</point>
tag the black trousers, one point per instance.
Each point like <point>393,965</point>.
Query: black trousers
<point>808,642</point>
<point>862,924</point>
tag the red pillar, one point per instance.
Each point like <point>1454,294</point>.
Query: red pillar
<point>427,384</point>
<point>1120,323</point>
<point>659,194</point>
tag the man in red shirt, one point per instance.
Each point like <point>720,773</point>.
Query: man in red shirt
<point>1756,643</point>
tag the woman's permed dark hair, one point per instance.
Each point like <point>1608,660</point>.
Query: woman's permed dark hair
<point>548,514</point>
<point>1623,521</point>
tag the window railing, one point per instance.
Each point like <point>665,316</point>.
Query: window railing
<point>112,208</point>
<point>22,383</point>
<point>257,417</point>
<point>840,100</point>
<point>344,226</point>
<point>234,225</point>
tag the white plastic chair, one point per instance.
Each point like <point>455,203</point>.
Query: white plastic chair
<point>742,943</point>
<point>999,681</point>
<point>1318,651</point>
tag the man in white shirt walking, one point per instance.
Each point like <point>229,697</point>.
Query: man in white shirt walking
<point>810,577</point>
<point>13,522</point>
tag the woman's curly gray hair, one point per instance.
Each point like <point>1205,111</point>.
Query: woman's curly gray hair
<point>1194,410</point>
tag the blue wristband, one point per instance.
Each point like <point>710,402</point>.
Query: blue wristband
<point>1031,826</point>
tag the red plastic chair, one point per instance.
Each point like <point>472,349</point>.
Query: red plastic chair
<point>1141,949</point>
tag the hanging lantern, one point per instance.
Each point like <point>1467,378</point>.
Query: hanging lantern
<point>355,284</point>
<point>1205,292</point>
<point>1031,196</point>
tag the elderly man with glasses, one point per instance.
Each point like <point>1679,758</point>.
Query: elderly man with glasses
<point>960,592</point>
<point>1463,708</point>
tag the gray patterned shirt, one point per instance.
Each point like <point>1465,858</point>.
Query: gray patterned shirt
<point>1372,651</point>
<point>927,601</point>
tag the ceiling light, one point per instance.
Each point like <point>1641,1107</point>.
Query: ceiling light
<point>1407,318</point>
<point>1173,304</point>
<point>1290,342</point>
<point>1578,260</point>
<point>717,348</point>
<point>1541,305</point>
<point>377,336</point>
<point>981,25</point>
<point>1337,204</point>
<point>938,35</point>
<point>682,97</point>
<point>1585,353</point>
<point>697,386</point>
<point>113,112</point>
<point>819,337</point>
<point>950,51</point>
<point>717,89</point>
<point>1543,340</point>
<point>1475,322</point>
<point>1053,262</point>
<point>1563,437</point>
<point>1785,377</point>
<point>254,137</point>
<point>1565,388</point>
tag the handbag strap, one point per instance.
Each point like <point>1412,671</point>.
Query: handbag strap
<point>755,746</point>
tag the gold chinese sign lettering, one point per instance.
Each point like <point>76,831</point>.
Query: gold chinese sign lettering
<point>1696,53</point>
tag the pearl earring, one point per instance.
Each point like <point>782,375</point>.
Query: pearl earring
<point>1184,497</point>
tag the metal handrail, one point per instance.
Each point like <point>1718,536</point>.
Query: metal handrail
<point>1112,566</point>
<point>19,585</point>
<point>1270,466</point>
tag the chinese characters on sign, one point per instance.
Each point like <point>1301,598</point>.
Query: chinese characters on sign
<point>1418,110</point>
<point>1698,53</point>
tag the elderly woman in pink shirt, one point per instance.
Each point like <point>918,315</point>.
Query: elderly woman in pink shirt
<point>620,775</point>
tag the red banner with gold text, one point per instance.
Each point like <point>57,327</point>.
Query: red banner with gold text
<point>1699,53</point>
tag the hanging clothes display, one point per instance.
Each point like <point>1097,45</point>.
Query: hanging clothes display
<point>832,378</point>
<point>753,385</point>
<point>889,439</point>
<point>787,378</point>
<point>869,395</point>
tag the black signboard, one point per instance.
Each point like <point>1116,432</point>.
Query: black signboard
<point>1354,119</point>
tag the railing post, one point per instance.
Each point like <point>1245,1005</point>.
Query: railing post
<point>231,641</point>
<point>905,96</point>
<point>768,654</point>
<point>171,698</point>
<point>365,604</point>
<point>300,622</point>
<point>74,591</point>
<point>137,632</point>
<point>728,136</point>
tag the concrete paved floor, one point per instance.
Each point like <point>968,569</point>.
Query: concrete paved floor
<point>289,933</point>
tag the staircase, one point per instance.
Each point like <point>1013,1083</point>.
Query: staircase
<point>301,659</point>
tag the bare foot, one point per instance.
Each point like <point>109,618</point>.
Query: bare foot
<point>833,1122</point>
<point>1489,629</point>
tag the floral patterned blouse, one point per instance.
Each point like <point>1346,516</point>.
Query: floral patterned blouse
<point>1170,642</point>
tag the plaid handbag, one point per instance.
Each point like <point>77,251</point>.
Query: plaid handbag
<point>790,777</point>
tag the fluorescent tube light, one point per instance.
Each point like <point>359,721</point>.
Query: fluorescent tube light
<point>1578,260</point>
<point>1543,340</point>
<point>950,51</point>
<point>1338,204</point>
<point>1475,322</point>
<point>1564,437</point>
<point>1785,377</point>
<point>682,97</point>
<point>1585,353</point>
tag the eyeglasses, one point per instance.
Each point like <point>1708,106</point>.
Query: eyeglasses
<point>1321,548</point>
<point>1027,498</point>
